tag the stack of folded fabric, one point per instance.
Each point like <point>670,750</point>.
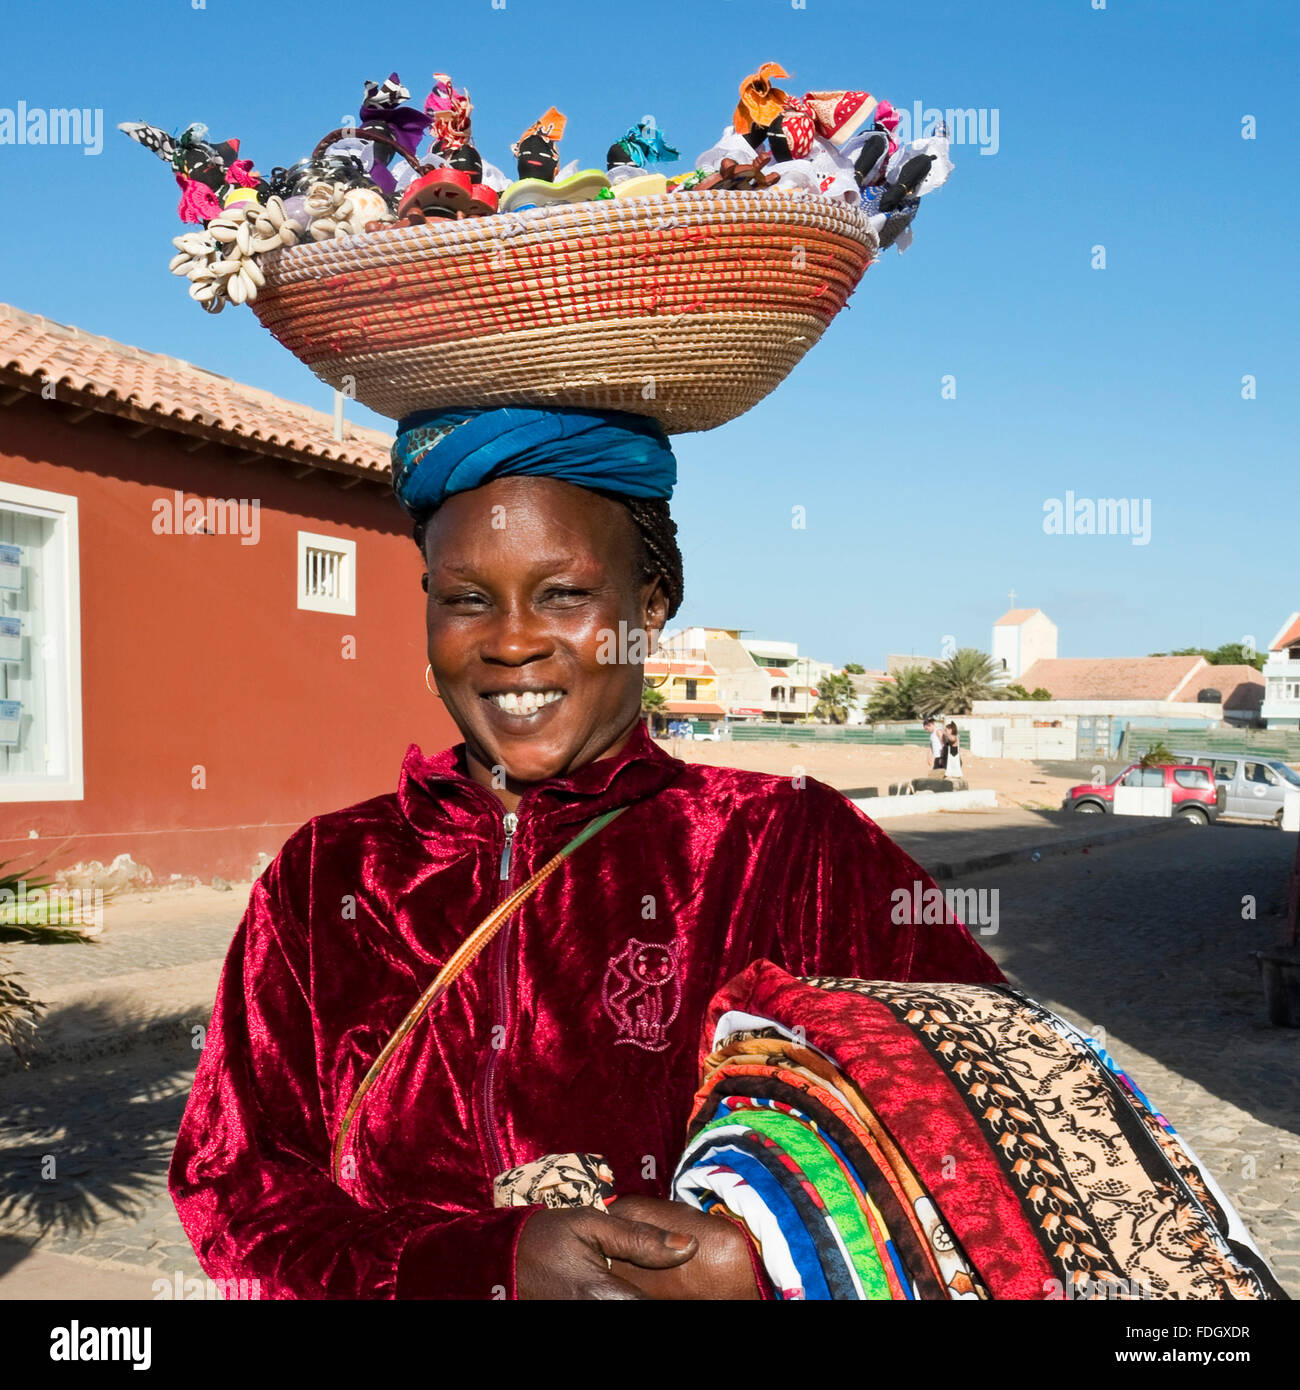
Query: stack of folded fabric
<point>915,1141</point>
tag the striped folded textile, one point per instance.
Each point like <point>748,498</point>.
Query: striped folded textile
<point>946,1141</point>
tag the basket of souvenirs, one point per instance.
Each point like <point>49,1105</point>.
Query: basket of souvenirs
<point>417,279</point>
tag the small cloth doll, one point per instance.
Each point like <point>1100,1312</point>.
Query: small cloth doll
<point>535,150</point>
<point>765,112</point>
<point>642,146</point>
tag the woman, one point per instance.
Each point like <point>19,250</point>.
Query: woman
<point>549,548</point>
<point>951,750</point>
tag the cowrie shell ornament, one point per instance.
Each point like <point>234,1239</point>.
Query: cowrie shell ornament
<point>220,262</point>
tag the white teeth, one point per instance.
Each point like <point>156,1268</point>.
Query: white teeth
<point>525,702</point>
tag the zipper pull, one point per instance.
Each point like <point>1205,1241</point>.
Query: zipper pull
<point>512,824</point>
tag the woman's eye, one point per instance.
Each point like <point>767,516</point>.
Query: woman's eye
<point>465,600</point>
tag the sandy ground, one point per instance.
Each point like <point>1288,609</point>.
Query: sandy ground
<point>1016,783</point>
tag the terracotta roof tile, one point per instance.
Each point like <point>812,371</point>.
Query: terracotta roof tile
<point>1289,635</point>
<point>692,670</point>
<point>119,379</point>
<point>1114,678</point>
<point>1242,687</point>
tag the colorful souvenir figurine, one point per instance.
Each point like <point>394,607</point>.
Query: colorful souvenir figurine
<point>643,145</point>
<point>790,136</point>
<point>388,128</point>
<point>206,164</point>
<point>760,104</point>
<point>467,160</point>
<point>731,175</point>
<point>535,150</point>
<point>582,187</point>
<point>447,112</point>
<point>788,123</point>
<point>208,176</point>
<point>872,157</point>
<point>907,183</point>
<point>442,192</point>
<point>840,115</point>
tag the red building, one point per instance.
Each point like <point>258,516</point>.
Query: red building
<point>211,620</point>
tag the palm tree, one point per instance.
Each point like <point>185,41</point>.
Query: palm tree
<point>897,700</point>
<point>1157,755</point>
<point>835,698</point>
<point>954,685</point>
<point>652,702</point>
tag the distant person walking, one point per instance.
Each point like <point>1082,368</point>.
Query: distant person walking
<point>952,750</point>
<point>937,743</point>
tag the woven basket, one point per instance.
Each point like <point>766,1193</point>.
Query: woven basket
<point>690,307</point>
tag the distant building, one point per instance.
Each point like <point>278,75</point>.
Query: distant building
<point>211,624</point>
<point>1281,673</point>
<point>758,681</point>
<point>1022,636</point>
<point>1094,699</point>
<point>865,684</point>
<point>1238,690</point>
<point>689,687</point>
<point>896,664</point>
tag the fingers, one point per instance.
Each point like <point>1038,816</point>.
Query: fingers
<point>641,1244</point>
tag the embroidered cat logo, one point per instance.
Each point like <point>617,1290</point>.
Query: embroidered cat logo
<point>641,993</point>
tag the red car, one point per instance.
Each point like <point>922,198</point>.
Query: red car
<point>1195,798</point>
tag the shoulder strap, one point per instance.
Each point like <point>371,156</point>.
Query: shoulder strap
<point>457,962</point>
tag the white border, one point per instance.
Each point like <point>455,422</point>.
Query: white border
<point>71,787</point>
<point>348,549</point>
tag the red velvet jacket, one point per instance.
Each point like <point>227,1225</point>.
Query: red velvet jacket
<point>575,1031</point>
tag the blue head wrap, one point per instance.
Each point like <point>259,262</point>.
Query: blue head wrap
<point>441,452</point>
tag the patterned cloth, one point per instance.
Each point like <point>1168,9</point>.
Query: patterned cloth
<point>441,452</point>
<point>558,1180</point>
<point>952,1141</point>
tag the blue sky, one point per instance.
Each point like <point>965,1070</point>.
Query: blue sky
<point>1119,127</point>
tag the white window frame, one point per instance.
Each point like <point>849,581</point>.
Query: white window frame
<point>347,605</point>
<point>63,508</point>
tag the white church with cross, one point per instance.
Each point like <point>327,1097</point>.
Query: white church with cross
<point>1021,636</point>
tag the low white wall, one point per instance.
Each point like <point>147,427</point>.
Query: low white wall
<point>922,803</point>
<point>1022,740</point>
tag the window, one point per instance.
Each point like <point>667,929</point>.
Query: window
<point>1192,777</point>
<point>1225,769</point>
<point>326,574</point>
<point>691,687</point>
<point>1257,772</point>
<point>1153,776</point>
<point>40,646</point>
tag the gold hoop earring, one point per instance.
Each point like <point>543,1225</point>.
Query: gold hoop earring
<point>428,671</point>
<point>654,685</point>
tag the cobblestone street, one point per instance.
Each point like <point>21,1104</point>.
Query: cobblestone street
<point>1146,941</point>
<point>1143,939</point>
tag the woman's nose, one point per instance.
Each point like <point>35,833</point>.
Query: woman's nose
<point>517,636</point>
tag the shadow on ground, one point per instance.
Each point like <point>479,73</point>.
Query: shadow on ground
<point>1151,940</point>
<point>71,1153</point>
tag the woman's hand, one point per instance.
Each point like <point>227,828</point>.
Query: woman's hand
<point>720,1269</point>
<point>562,1254</point>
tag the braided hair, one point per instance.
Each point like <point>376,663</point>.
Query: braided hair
<point>660,556</point>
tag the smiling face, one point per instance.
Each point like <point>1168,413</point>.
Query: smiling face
<point>528,579</point>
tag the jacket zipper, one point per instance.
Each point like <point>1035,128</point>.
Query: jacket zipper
<point>501,1006</point>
